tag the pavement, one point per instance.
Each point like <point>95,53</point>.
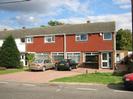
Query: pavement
<point>12,90</point>
<point>43,77</point>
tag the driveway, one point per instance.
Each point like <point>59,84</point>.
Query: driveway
<point>37,77</point>
<point>44,77</point>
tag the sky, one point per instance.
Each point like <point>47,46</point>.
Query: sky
<point>35,13</point>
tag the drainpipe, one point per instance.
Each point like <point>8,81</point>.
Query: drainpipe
<point>65,54</point>
<point>114,54</point>
<point>132,25</point>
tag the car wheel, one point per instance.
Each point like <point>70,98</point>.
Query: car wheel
<point>56,68</point>
<point>44,69</point>
<point>75,67</point>
<point>70,68</point>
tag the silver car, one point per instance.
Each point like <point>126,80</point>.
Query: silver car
<point>41,64</point>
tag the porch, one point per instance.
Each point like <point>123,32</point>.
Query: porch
<point>98,60</point>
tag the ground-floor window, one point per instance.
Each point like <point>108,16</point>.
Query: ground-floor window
<point>57,56</point>
<point>91,58</point>
<point>42,56</point>
<point>74,56</point>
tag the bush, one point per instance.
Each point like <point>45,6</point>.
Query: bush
<point>30,57</point>
<point>9,54</point>
<point>129,63</point>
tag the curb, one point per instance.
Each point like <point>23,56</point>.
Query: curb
<point>53,83</point>
<point>68,83</point>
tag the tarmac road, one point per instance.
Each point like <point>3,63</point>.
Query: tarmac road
<point>13,90</point>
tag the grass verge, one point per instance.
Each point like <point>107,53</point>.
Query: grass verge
<point>8,71</point>
<point>101,78</point>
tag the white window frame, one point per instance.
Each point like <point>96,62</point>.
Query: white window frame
<point>29,39</point>
<point>50,37</point>
<point>43,55</point>
<point>57,54</point>
<point>74,53</point>
<point>79,36</point>
<point>104,36</point>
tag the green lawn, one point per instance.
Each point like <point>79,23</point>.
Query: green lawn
<point>101,78</point>
<point>7,71</point>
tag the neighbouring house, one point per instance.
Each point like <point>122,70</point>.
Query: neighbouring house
<point>121,59</point>
<point>121,55</point>
<point>92,44</point>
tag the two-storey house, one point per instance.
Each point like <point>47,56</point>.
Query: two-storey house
<point>89,43</point>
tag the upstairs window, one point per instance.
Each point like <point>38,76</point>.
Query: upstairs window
<point>23,40</point>
<point>49,39</point>
<point>107,36</point>
<point>81,37</point>
<point>29,39</point>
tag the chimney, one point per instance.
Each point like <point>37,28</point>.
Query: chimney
<point>88,21</point>
<point>23,27</point>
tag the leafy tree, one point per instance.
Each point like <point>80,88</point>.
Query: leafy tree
<point>124,40</point>
<point>9,54</point>
<point>54,23</point>
<point>30,58</point>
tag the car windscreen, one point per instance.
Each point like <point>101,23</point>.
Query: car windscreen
<point>38,61</point>
<point>63,62</point>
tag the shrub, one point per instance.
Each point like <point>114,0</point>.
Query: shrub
<point>30,57</point>
<point>129,63</point>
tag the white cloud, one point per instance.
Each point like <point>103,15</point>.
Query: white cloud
<point>46,6</point>
<point>123,4</point>
<point>25,20</point>
<point>121,1</point>
<point>2,27</point>
<point>122,20</point>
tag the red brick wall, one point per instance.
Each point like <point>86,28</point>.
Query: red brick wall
<point>95,43</point>
<point>38,45</point>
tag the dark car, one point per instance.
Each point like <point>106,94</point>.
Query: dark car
<point>65,64</point>
<point>128,81</point>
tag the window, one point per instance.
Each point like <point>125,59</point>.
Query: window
<point>91,57</point>
<point>81,37</point>
<point>74,56</point>
<point>49,39</point>
<point>57,56</point>
<point>41,56</point>
<point>23,40</point>
<point>107,36</point>
<point>22,56</point>
<point>29,39</point>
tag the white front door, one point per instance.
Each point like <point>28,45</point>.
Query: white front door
<point>105,60</point>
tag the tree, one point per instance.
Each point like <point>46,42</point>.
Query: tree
<point>54,23</point>
<point>9,54</point>
<point>124,40</point>
<point>30,58</point>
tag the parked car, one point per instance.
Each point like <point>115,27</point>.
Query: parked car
<point>128,81</point>
<point>41,64</point>
<point>65,64</point>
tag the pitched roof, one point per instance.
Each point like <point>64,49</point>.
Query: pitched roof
<point>66,29</point>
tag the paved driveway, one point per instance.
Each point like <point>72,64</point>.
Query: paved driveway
<point>37,77</point>
<point>44,77</point>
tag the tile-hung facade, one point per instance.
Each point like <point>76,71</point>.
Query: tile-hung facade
<point>89,43</point>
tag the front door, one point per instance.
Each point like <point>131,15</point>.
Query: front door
<point>105,60</point>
